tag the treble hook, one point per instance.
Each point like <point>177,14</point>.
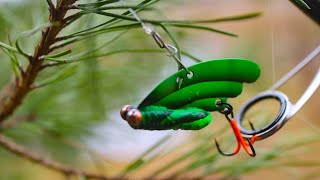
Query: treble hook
<point>240,140</point>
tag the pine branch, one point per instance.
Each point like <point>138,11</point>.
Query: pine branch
<point>11,146</point>
<point>50,6</point>
<point>14,121</point>
<point>13,94</point>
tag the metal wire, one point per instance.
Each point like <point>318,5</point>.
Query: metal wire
<point>149,29</point>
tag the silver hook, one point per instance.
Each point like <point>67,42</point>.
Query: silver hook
<point>287,109</point>
<point>172,52</point>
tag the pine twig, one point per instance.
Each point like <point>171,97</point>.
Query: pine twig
<point>14,121</point>
<point>50,6</point>
<point>11,146</point>
<point>13,94</point>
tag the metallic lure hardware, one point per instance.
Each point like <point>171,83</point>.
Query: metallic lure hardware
<point>149,29</point>
<point>287,109</point>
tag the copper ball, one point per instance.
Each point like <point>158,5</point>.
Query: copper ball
<point>124,111</point>
<point>134,117</point>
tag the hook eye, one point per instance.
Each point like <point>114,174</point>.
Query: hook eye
<point>273,126</point>
<point>190,74</point>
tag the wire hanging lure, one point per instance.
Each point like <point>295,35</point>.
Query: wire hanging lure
<point>185,99</point>
<point>187,105</point>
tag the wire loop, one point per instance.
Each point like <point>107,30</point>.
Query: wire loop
<point>158,39</point>
<point>228,110</point>
<point>149,29</point>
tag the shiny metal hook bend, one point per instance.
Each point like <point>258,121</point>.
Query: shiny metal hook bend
<point>287,109</point>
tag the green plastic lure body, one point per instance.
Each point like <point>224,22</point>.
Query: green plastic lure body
<point>162,118</point>
<point>187,105</point>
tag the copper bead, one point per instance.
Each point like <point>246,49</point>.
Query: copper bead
<point>134,117</point>
<point>124,111</point>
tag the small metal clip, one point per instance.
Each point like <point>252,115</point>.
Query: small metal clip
<point>158,39</point>
<point>149,29</point>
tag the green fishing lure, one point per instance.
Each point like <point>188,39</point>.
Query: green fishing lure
<point>187,105</point>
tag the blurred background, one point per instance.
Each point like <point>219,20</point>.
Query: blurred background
<point>76,121</point>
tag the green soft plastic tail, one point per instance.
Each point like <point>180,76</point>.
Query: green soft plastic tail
<point>200,91</point>
<point>233,70</point>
